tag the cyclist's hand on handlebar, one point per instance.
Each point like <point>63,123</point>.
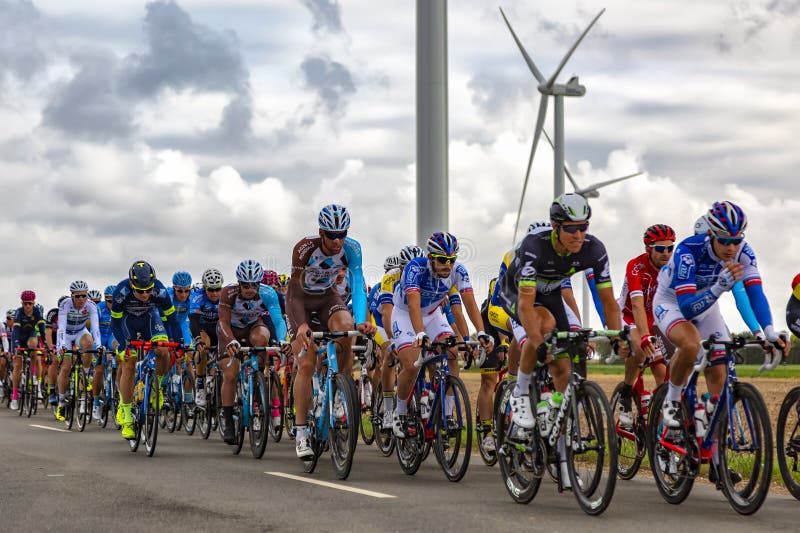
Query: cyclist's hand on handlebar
<point>648,346</point>
<point>367,328</point>
<point>421,340</point>
<point>232,348</point>
<point>302,339</point>
<point>286,349</point>
<point>486,341</point>
<point>623,349</point>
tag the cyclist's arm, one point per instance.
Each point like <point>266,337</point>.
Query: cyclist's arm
<point>116,320</point>
<point>61,334</point>
<point>295,296</point>
<point>194,324</point>
<point>4,337</point>
<point>569,297</point>
<point>269,297</point>
<point>455,317</point>
<point>755,292</point>
<point>610,307</point>
<point>94,317</point>
<point>16,333</point>
<point>744,307</point>
<point>415,311</point>
<point>352,251</point>
<point>225,332</point>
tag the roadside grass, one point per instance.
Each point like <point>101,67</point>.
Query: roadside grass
<point>743,371</point>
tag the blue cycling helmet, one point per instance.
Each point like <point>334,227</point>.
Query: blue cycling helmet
<point>142,275</point>
<point>726,219</point>
<point>442,243</point>
<point>109,290</point>
<point>334,217</point>
<point>249,271</point>
<point>181,278</point>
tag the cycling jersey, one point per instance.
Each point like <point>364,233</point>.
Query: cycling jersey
<point>271,300</point>
<point>5,343</point>
<point>418,277</point>
<point>131,316</point>
<point>27,326</point>
<point>203,313</point>
<point>72,323</point>
<point>319,277</point>
<point>641,279</point>
<point>793,310</point>
<point>51,321</point>
<point>744,307</point>
<point>537,264</point>
<point>104,317</point>
<point>182,315</point>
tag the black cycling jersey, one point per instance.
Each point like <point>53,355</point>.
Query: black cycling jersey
<point>793,315</point>
<point>537,264</point>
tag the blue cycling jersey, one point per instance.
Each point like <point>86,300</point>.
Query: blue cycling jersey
<point>104,314</point>
<point>372,304</point>
<point>269,297</point>
<point>418,277</point>
<point>125,303</point>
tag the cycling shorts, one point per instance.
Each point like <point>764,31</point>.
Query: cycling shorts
<point>148,327</point>
<point>323,304</point>
<point>403,334</point>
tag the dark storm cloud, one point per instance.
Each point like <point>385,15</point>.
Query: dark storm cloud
<point>331,80</point>
<point>89,105</point>
<point>21,54</point>
<point>326,15</point>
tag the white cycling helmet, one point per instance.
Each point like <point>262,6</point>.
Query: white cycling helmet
<point>391,262</point>
<point>701,226</point>
<point>334,217</point>
<point>95,296</point>
<point>78,285</point>
<point>570,206</point>
<point>409,253</point>
<point>212,279</point>
<point>249,271</point>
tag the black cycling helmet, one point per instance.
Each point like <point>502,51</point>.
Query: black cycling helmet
<point>141,275</point>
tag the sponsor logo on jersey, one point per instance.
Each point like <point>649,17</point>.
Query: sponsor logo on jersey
<point>660,312</point>
<point>685,265</point>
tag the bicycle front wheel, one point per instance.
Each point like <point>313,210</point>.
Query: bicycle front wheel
<point>521,462</point>
<point>745,450</point>
<point>365,401</point>
<point>84,403</point>
<point>630,442</point>
<point>343,435</point>
<point>788,444</point>
<point>591,449</point>
<point>188,408</point>
<point>452,442</point>
<point>673,471</point>
<point>275,415</point>
<point>385,438</point>
<point>259,415</point>
<point>152,409</point>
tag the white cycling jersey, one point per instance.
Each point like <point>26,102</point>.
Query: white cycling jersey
<point>72,323</point>
<point>5,337</point>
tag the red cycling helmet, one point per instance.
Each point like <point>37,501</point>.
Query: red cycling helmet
<point>658,232</point>
<point>795,281</point>
<point>28,296</point>
<point>270,278</point>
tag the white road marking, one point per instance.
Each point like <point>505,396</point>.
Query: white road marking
<point>49,428</point>
<point>337,486</point>
<point>55,475</point>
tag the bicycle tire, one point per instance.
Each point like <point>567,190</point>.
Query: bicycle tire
<point>21,403</point>
<point>275,428</point>
<point>384,439</point>
<point>451,443</point>
<point>489,457</point>
<point>317,445</point>
<point>168,412</point>
<point>674,473</point>
<point>69,401</point>
<point>188,409</point>
<point>410,450</point>
<point>238,420</point>
<point>82,395</point>
<point>114,398</point>
<point>152,409</point>
<point>630,452</point>
<point>746,499</point>
<point>788,442</point>
<point>289,415</point>
<point>593,494</point>
<point>29,398</point>
<point>521,464</point>
<point>259,415</point>
<point>133,443</point>
<point>364,405</point>
<point>343,436</point>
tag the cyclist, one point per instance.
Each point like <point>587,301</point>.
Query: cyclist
<point>793,308</point>
<point>51,332</point>
<point>135,309</point>
<point>203,318</point>
<point>271,279</point>
<point>636,301</point>
<point>95,296</point>
<point>530,292</point>
<point>73,314</point>
<point>382,337</point>
<point>316,261</point>
<point>417,315</point>
<point>104,313</point>
<point>273,319</point>
<point>6,329</point>
<point>490,368</point>
<point>702,268</point>
<point>240,320</point>
<point>28,331</point>
<point>180,293</point>
<point>283,284</point>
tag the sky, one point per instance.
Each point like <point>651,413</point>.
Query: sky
<point>196,133</point>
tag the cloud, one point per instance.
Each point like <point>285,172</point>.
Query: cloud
<point>326,15</point>
<point>330,80</point>
<point>21,53</point>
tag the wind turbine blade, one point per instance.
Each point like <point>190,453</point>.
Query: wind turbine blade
<point>528,60</point>
<point>594,187</point>
<point>536,134</point>
<point>566,170</point>
<point>552,79</point>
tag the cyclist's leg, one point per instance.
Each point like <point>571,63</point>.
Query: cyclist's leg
<point>341,320</point>
<point>201,364</point>
<point>33,346</point>
<point>712,323</point>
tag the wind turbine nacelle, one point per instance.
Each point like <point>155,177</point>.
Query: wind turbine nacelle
<point>571,88</point>
<point>590,194</point>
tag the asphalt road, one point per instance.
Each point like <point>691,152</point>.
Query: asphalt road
<point>69,481</point>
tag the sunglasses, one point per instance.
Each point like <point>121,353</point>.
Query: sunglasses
<point>335,235</point>
<point>212,290</point>
<point>444,259</point>
<point>249,285</point>
<point>81,296</point>
<point>27,303</point>
<point>575,228</point>
<point>727,241</point>
<point>661,248</point>
<point>143,291</point>
<point>182,291</point>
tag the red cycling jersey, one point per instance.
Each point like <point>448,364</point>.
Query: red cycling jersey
<point>641,279</point>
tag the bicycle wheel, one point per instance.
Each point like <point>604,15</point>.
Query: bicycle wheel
<point>631,444</point>
<point>168,417</point>
<point>136,409</point>
<point>114,398</point>
<point>343,435</point>
<point>481,432</point>
<point>674,472</point>
<point>521,462</point>
<point>82,395</point>
<point>22,400</point>
<point>259,415</point>
<point>410,449</point>
<point>452,442</point>
<point>275,422</point>
<point>364,393</point>
<point>288,406</point>
<point>788,441</point>
<point>152,409</point>
<point>385,439</point>
<point>591,453</point>
<point>745,450</point>
<point>188,408</point>
<point>29,397</point>
<point>238,419</point>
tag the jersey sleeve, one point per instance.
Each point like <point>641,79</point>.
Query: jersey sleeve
<point>600,266</point>
<point>63,309</point>
<point>352,251</point>
<point>753,287</point>
<point>94,318</point>
<point>270,299</point>
<point>462,282</point>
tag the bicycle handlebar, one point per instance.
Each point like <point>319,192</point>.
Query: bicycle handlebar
<point>772,356</point>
